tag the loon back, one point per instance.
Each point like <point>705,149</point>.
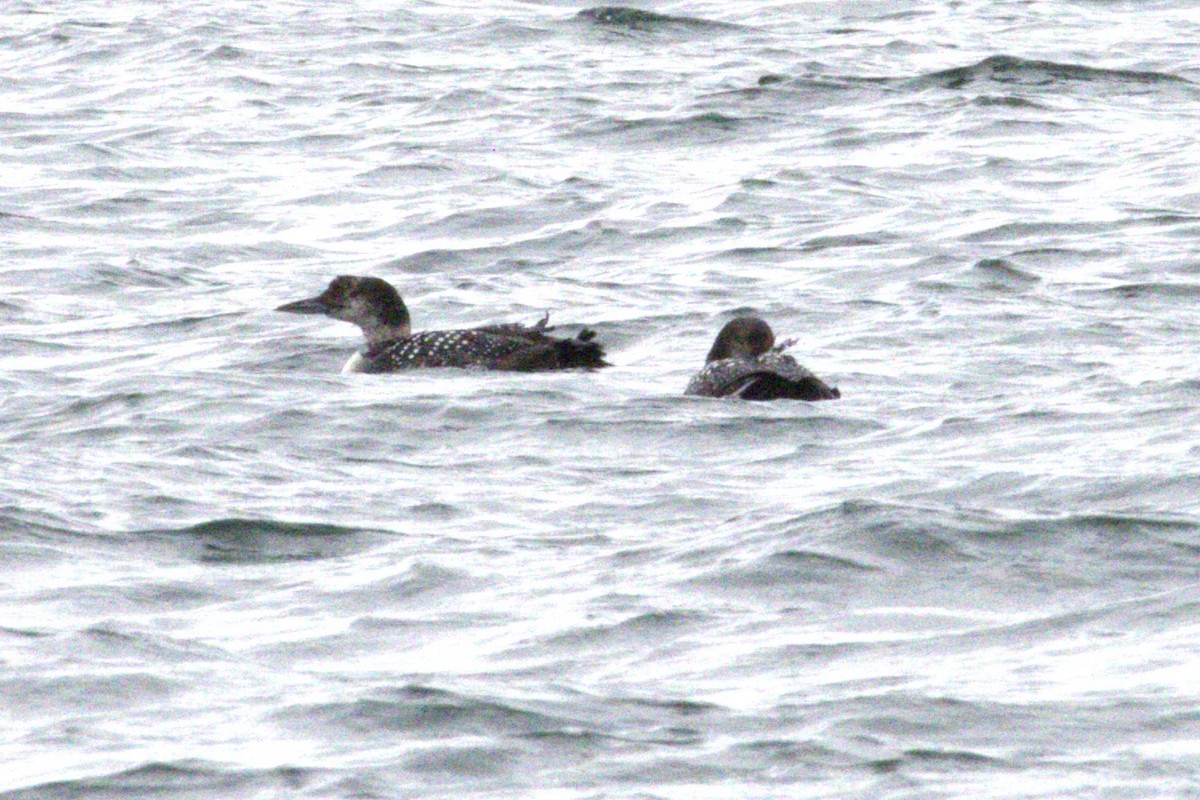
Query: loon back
<point>491,347</point>
<point>376,307</point>
<point>744,363</point>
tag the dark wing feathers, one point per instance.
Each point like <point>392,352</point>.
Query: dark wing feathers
<point>773,376</point>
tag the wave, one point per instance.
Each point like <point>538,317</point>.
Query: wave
<point>1174,290</point>
<point>1012,70</point>
<point>997,73</point>
<point>190,778</point>
<point>852,549</point>
<point>640,20</point>
<point>256,541</point>
<point>656,132</point>
<point>421,711</point>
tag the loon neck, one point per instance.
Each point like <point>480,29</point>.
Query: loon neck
<point>379,333</point>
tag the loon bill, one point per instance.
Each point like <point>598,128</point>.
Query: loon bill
<point>744,362</point>
<point>375,306</point>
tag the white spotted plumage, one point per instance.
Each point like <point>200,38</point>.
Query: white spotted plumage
<point>445,349</point>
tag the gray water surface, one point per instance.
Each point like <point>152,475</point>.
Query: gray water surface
<point>231,572</point>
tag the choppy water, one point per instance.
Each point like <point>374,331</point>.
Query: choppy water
<point>229,571</point>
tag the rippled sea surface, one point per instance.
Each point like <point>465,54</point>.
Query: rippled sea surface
<point>229,571</point>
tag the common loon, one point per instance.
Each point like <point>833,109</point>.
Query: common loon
<point>374,305</point>
<point>745,362</point>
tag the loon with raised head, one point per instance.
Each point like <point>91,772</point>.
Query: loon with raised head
<point>374,305</point>
<point>745,362</point>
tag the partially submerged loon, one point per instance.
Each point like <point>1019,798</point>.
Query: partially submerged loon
<point>375,306</point>
<point>745,362</point>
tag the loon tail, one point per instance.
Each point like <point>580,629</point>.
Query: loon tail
<point>581,352</point>
<point>550,353</point>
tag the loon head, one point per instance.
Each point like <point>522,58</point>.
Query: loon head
<point>372,304</point>
<point>745,337</point>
